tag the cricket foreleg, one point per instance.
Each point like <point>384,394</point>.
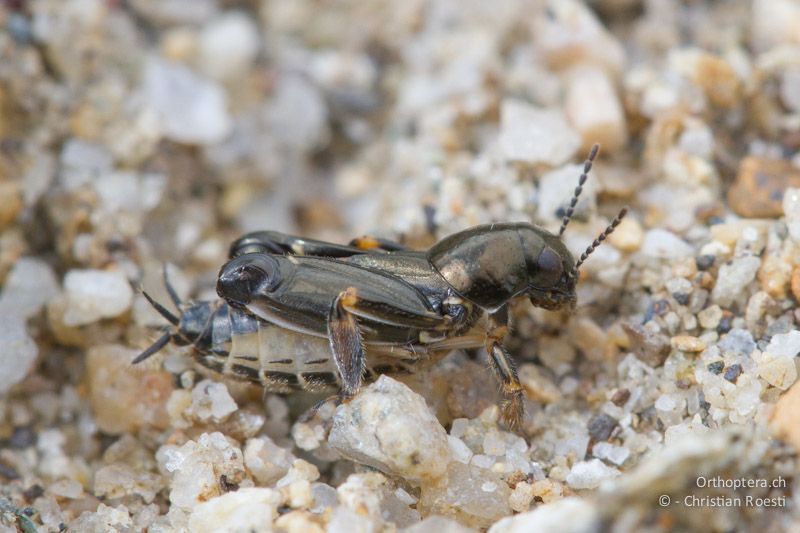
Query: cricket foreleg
<point>512,407</point>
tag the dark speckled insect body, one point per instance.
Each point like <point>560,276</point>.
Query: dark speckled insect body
<point>305,314</point>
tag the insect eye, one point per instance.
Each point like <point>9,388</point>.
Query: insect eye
<point>550,266</point>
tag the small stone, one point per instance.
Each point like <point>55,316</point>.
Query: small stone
<point>628,236</point>
<point>733,277</point>
<point>119,480</point>
<point>459,451</point>
<point>344,520</point>
<point>758,190</point>
<point>710,317</point>
<point>494,444</point>
<point>298,114</point>
<point>325,498</point>
<point>620,397</point>
<point>389,427</point>
<point>791,210</point>
<point>19,352</point>
<point>569,33</point>
<point>570,515</point>
<point>662,244</point>
<point>548,490</point>
<point>593,108</point>
<point>790,88</point>
<point>298,522</point>
<point>228,45</point>
<point>66,488</point>
<point>688,343</point>
<point>196,468</point>
<point>611,453</point>
<point>474,496</point>
<point>716,367</point>
<point>308,437</point>
<point>704,262</point>
<point>600,426</point>
<point>106,518</point>
<point>10,207</point>
<point>733,372</point>
<point>211,401</point>
<point>266,461</point>
<point>555,190</point>
<point>785,344</point>
<point>535,135</point>
<point>715,76</point>
<point>438,524</point>
<point>247,509</point>
<point>363,493</point>
<point>785,421</point>
<point>649,347</point>
<point>775,23</point>
<point>538,387</point>
<point>738,342</point>
<point>521,498</point>
<point>590,474</point>
<point>795,283</point>
<point>125,398</point>
<point>95,294</point>
<point>776,365</point>
<point>28,287</point>
<point>778,371</point>
<point>191,110</point>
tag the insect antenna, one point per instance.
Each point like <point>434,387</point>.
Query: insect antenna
<point>156,346</point>
<point>173,295</point>
<point>608,231</point>
<point>587,166</point>
<point>163,311</point>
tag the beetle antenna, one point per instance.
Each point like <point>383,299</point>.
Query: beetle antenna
<point>608,231</point>
<point>163,311</point>
<point>156,346</point>
<point>587,166</point>
<point>173,295</point>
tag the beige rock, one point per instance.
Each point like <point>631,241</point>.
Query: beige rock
<point>760,183</point>
<point>687,343</point>
<point>628,236</point>
<point>594,109</point>
<point>570,515</point>
<point>569,33</point>
<point>538,387</point>
<point>474,496</point>
<point>785,421</point>
<point>389,427</point>
<point>247,509</point>
<point>123,397</point>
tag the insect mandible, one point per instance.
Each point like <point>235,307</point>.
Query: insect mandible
<point>376,307</point>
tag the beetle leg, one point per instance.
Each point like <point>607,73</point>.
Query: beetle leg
<point>346,342</point>
<point>368,242</point>
<point>502,363</point>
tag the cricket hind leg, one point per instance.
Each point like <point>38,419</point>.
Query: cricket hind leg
<point>346,343</point>
<point>274,242</point>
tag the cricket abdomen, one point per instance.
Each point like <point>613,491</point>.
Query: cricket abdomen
<point>280,360</point>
